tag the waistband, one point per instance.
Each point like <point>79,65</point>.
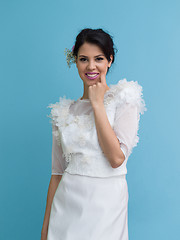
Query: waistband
<point>122,176</point>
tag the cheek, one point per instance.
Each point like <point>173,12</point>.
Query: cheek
<point>81,73</point>
<point>80,70</point>
<point>103,68</point>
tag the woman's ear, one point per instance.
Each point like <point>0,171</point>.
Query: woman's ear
<point>75,59</point>
<point>109,64</point>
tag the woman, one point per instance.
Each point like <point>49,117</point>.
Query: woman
<point>92,140</point>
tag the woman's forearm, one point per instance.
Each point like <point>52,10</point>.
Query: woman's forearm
<point>107,138</point>
<point>54,181</point>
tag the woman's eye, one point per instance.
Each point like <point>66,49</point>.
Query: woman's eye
<point>82,59</point>
<point>99,58</point>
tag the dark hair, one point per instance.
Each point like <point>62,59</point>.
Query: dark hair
<point>99,37</point>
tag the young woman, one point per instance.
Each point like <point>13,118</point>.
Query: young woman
<point>92,140</point>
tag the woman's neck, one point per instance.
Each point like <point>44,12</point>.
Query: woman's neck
<point>85,96</point>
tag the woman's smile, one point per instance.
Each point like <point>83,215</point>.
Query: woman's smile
<point>92,76</point>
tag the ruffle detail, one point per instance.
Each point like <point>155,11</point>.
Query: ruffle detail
<point>60,111</point>
<point>59,115</point>
<point>77,133</point>
<point>128,92</point>
<point>118,94</point>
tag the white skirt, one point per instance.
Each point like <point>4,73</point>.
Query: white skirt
<point>89,208</point>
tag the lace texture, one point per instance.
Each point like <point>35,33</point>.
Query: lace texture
<point>128,92</point>
<point>122,92</point>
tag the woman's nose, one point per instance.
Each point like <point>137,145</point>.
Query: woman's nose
<point>91,65</point>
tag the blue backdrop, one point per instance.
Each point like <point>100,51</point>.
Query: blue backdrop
<point>34,73</point>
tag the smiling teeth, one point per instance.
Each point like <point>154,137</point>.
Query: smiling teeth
<point>92,75</point>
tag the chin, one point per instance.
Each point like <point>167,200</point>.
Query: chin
<point>90,82</point>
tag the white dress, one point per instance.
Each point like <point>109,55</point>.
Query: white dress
<point>91,200</point>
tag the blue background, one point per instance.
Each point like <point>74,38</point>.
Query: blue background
<point>34,73</point>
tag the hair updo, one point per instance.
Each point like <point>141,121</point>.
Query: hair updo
<point>99,37</point>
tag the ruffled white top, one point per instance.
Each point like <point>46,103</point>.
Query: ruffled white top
<point>75,147</point>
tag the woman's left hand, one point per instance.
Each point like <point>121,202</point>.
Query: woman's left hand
<point>96,92</point>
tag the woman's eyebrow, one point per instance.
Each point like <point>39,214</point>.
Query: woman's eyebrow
<point>95,56</point>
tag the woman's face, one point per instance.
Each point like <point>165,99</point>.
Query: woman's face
<point>91,63</point>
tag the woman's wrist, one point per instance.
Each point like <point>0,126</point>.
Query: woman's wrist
<point>97,106</point>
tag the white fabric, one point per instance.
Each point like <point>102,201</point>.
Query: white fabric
<point>58,161</point>
<point>75,132</point>
<point>126,127</point>
<point>91,199</point>
<point>89,208</point>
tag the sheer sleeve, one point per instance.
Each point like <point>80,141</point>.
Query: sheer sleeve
<point>126,127</point>
<point>58,162</point>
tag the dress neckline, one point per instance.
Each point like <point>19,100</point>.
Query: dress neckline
<point>107,99</point>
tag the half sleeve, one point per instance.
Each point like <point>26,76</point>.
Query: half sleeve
<point>58,161</point>
<point>126,127</point>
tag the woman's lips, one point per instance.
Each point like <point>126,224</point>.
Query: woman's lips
<point>92,76</point>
